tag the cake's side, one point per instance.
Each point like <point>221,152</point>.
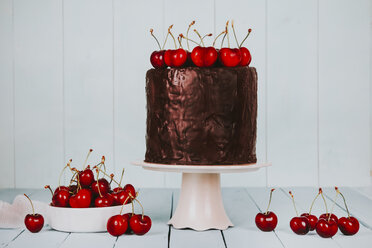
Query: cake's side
<point>201,115</point>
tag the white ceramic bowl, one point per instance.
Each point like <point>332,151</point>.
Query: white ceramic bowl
<point>82,219</point>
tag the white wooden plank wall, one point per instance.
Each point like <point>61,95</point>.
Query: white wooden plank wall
<point>72,77</point>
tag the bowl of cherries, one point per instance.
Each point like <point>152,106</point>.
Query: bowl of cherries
<point>89,200</point>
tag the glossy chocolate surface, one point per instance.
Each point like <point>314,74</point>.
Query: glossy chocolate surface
<point>201,115</point>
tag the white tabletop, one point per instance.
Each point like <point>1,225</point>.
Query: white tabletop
<point>241,204</point>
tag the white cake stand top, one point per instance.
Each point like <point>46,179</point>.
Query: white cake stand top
<point>202,168</point>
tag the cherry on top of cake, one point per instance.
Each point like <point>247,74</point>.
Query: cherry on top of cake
<point>201,56</point>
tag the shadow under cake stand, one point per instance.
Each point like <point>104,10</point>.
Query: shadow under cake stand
<point>200,205</point>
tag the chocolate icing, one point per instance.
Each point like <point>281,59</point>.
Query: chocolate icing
<point>201,115</point>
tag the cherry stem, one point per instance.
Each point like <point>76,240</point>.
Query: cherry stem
<point>325,203</point>
<point>187,34</point>
<point>78,179</point>
<point>347,209</point>
<point>271,194</point>
<point>121,177</point>
<point>182,36</point>
<point>143,213</point>
<point>170,33</point>
<point>104,173</point>
<point>60,175</point>
<point>86,159</point>
<point>312,204</point>
<point>32,205</point>
<point>207,35</point>
<point>72,178</point>
<point>294,204</point>
<point>201,39</point>
<point>232,26</point>
<point>334,201</point>
<point>215,39</point>
<point>249,31</point>
<point>99,191</point>
<point>151,32</point>
<point>124,203</point>
<point>166,38</point>
<point>226,33</point>
<point>48,187</point>
<point>179,38</point>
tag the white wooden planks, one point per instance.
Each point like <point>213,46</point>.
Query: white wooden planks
<point>292,92</point>
<point>190,238</point>
<point>248,14</point>
<point>6,94</point>
<point>344,93</point>
<point>133,47</point>
<point>242,212</point>
<point>38,91</point>
<point>157,205</point>
<point>88,85</point>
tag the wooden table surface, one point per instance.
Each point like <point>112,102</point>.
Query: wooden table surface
<point>241,204</point>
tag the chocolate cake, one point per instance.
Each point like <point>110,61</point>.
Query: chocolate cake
<point>201,115</point>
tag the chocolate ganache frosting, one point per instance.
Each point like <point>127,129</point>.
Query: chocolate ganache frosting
<point>201,115</point>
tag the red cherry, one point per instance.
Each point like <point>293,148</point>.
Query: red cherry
<point>348,225</point>
<point>104,186</point>
<point>175,58</point>
<point>246,57</point>
<point>104,201</point>
<point>157,59</point>
<point>121,196</point>
<point>312,220</point>
<point>266,221</point>
<point>204,56</point>
<point>117,225</point>
<point>86,177</point>
<point>61,198</point>
<point>230,57</point>
<point>300,225</point>
<point>81,199</point>
<point>34,222</point>
<point>130,190</point>
<point>61,188</point>
<point>140,224</point>
<point>326,228</point>
<point>326,216</point>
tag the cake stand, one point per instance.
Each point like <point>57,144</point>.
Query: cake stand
<point>200,205</point>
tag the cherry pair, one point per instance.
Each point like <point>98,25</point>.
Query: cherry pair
<point>119,224</point>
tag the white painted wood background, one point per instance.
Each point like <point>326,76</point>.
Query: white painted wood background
<point>72,77</point>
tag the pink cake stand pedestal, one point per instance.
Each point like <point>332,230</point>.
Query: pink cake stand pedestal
<point>200,205</point>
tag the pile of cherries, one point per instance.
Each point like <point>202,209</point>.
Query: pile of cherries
<point>86,190</point>
<point>201,56</point>
<point>326,225</point>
